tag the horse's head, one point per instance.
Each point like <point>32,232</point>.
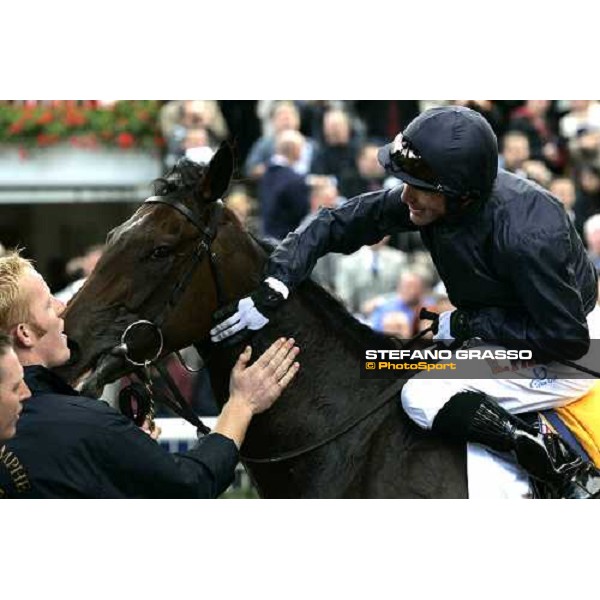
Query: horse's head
<point>157,267</point>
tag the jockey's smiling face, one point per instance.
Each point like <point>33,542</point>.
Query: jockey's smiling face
<point>425,206</point>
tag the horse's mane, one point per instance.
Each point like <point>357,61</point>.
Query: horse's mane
<point>335,315</point>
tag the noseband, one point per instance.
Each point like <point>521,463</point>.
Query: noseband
<point>136,353</point>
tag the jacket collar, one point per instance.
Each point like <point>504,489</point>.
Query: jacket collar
<point>43,381</point>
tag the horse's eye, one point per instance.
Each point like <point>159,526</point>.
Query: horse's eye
<point>160,252</point>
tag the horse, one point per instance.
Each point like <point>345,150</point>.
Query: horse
<point>332,434</point>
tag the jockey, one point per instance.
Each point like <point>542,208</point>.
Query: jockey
<point>512,263</point>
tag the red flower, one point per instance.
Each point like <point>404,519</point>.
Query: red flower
<point>75,119</point>
<point>125,140</point>
<point>45,118</point>
<point>15,128</point>
<point>159,141</point>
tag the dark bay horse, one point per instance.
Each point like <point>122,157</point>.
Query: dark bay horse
<point>381,454</point>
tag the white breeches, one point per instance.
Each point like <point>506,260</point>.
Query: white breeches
<point>529,389</point>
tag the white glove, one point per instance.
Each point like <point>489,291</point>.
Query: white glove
<point>248,316</point>
<point>444,334</point>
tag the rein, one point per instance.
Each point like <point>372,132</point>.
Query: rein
<point>350,424</point>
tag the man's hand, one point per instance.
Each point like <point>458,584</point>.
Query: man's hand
<point>250,313</point>
<point>258,386</point>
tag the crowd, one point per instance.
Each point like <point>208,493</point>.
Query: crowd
<point>299,156</point>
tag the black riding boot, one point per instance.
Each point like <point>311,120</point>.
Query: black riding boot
<point>475,417</point>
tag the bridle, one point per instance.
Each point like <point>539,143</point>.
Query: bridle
<point>152,330</point>
<point>203,248</point>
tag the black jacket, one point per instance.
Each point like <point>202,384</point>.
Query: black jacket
<point>514,263</point>
<point>70,446</point>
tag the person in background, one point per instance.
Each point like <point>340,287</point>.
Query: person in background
<point>368,175</point>
<point>591,232</point>
<point>323,194</point>
<point>515,152</point>
<point>337,154</point>
<point>563,188</point>
<point>284,116</point>
<point>283,194</point>
<point>368,274</point>
<point>408,300</point>
<point>80,267</point>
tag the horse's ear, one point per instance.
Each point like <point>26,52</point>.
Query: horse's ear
<point>218,175</point>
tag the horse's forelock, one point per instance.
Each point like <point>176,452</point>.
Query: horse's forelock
<point>183,178</point>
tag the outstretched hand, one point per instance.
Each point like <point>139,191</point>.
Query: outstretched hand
<point>259,385</point>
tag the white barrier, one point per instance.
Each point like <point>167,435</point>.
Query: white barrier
<point>177,435</point>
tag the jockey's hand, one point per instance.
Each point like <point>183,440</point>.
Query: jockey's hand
<point>249,314</point>
<point>452,326</point>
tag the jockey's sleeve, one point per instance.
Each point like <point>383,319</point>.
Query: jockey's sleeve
<point>137,467</point>
<point>551,320</point>
<point>363,220</point>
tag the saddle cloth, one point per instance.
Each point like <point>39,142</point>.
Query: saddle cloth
<point>582,417</point>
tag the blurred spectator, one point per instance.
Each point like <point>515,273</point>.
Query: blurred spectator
<point>179,116</point>
<point>397,323</point>
<point>367,176</point>
<point>284,117</point>
<point>532,119</point>
<point>537,171</point>
<point>363,277</point>
<point>587,202</point>
<point>563,188</point>
<point>323,194</point>
<point>515,152</point>
<point>581,128</point>
<point>79,269</point>
<point>242,205</point>
<point>583,116</point>
<point>283,194</point>
<point>196,146</point>
<point>313,111</point>
<point>487,109</point>
<point>337,154</point>
<point>591,232</point>
<point>409,298</point>
<point>383,119</point>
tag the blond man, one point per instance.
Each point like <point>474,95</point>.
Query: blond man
<point>68,445</point>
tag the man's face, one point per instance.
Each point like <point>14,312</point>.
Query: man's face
<point>425,206</point>
<point>45,324</point>
<point>13,390</point>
